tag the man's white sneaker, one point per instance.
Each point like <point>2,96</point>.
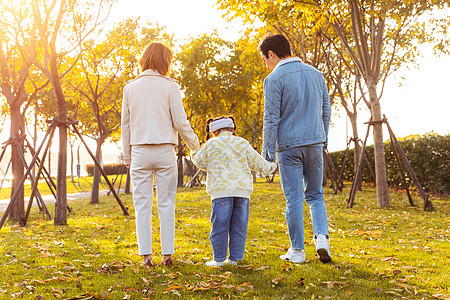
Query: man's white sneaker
<point>213,263</point>
<point>231,262</point>
<point>294,255</point>
<point>323,248</point>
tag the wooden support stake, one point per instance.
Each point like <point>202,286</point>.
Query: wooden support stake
<point>48,178</point>
<point>36,182</point>
<point>121,177</point>
<point>33,182</point>
<point>343,161</point>
<point>428,206</point>
<point>114,183</point>
<point>334,176</point>
<point>6,172</point>
<point>192,179</point>
<point>16,193</point>
<point>400,167</point>
<point>366,160</point>
<point>351,198</point>
<point>124,209</point>
<point>3,151</point>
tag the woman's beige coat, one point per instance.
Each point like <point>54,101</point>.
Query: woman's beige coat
<point>153,113</point>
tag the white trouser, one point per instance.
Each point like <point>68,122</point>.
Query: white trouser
<point>159,160</point>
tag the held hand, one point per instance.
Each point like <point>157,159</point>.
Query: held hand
<point>276,169</point>
<point>123,162</point>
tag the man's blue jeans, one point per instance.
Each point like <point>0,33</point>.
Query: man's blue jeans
<point>301,168</point>
<point>229,218</point>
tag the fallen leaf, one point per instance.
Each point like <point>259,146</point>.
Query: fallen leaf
<point>173,287</point>
<point>57,293</point>
<point>277,280</point>
<point>300,282</point>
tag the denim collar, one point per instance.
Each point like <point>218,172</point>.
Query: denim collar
<point>286,61</point>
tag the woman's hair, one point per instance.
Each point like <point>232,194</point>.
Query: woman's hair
<point>208,130</point>
<point>277,43</point>
<point>156,56</point>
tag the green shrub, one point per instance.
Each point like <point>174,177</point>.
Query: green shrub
<point>429,156</point>
<point>110,169</point>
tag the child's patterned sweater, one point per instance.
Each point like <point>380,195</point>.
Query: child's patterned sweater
<point>228,161</point>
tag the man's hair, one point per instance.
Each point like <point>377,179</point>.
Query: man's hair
<point>277,43</point>
<point>156,56</point>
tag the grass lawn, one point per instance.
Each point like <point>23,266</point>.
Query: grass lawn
<point>398,252</point>
<point>78,185</point>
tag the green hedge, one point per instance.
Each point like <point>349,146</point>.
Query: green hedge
<point>429,156</point>
<point>110,169</point>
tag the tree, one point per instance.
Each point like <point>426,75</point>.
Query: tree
<point>14,72</point>
<point>318,45</point>
<point>218,79</point>
<point>104,69</point>
<point>212,78</point>
<point>17,88</point>
<point>98,79</point>
<point>250,115</point>
<point>384,34</point>
<point>61,28</point>
<point>377,36</point>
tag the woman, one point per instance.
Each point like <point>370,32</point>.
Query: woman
<point>152,114</point>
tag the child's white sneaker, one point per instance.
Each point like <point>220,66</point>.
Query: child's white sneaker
<point>213,263</point>
<point>294,255</point>
<point>323,248</point>
<point>231,262</point>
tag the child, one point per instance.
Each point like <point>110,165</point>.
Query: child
<point>228,160</point>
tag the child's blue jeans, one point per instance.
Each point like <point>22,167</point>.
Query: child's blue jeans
<point>229,218</point>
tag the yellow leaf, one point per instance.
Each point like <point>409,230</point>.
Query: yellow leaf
<point>173,287</point>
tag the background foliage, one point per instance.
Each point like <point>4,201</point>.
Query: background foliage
<point>429,156</point>
<point>110,169</point>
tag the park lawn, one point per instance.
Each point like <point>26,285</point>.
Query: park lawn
<point>400,252</point>
<point>82,184</point>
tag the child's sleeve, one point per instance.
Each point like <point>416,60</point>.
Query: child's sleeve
<point>257,163</point>
<point>200,157</point>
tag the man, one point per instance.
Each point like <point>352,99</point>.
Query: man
<point>297,116</point>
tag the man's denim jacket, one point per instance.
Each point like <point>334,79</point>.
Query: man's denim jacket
<point>297,109</point>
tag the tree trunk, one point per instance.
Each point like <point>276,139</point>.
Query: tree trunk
<point>49,155</point>
<point>72,178</point>
<point>17,167</point>
<point>180,155</point>
<point>324,173</point>
<point>96,180</point>
<point>357,151</point>
<point>35,133</point>
<point>61,177</point>
<point>128,183</point>
<point>78,164</point>
<point>380,164</point>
